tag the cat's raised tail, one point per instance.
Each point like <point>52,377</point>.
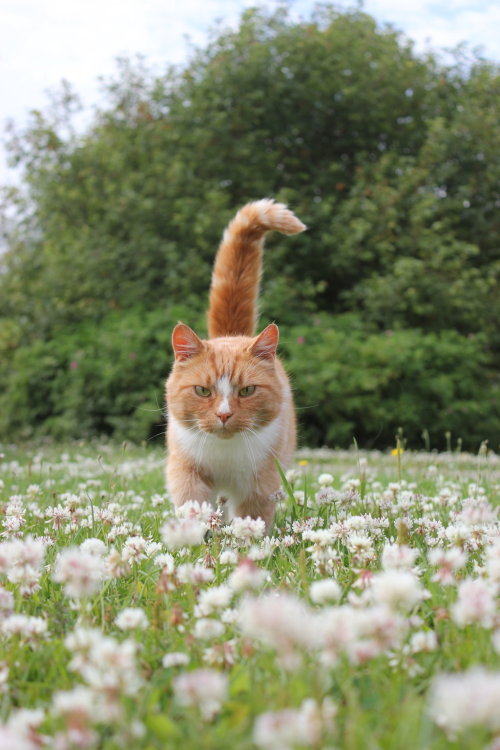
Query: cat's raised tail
<point>238,266</point>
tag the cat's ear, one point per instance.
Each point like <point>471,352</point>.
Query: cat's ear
<point>185,342</point>
<point>264,346</point>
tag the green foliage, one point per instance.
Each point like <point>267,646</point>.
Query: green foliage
<point>351,384</point>
<point>389,157</point>
<point>100,378</point>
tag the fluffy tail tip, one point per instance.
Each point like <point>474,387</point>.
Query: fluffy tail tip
<point>277,216</point>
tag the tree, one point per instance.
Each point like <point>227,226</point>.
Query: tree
<point>389,157</point>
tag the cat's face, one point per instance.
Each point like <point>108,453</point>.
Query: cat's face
<point>224,386</point>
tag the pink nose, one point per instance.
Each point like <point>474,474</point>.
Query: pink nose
<point>224,416</point>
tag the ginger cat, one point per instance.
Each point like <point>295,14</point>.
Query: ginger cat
<point>230,407</point>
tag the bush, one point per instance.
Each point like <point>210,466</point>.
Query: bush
<point>348,383</point>
<point>97,379</point>
<point>352,384</point>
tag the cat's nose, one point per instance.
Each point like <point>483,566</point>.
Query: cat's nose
<point>224,416</point>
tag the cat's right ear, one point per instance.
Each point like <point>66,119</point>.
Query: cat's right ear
<point>185,342</point>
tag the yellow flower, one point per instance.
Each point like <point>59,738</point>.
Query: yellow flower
<point>397,451</point>
<point>303,462</point>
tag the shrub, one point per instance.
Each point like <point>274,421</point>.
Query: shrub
<point>350,383</point>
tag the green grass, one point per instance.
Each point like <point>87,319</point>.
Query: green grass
<point>382,701</point>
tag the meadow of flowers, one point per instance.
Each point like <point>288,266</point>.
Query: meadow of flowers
<point>368,618</point>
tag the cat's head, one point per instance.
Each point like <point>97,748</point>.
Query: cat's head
<point>225,385</point>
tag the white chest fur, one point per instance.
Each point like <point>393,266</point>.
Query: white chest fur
<point>235,463</point>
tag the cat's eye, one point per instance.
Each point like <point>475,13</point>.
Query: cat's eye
<point>202,391</point>
<point>247,390</point>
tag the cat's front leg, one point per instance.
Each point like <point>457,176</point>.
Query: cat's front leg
<point>257,506</point>
<point>187,482</point>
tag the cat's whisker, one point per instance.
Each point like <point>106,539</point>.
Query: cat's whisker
<point>254,432</point>
<point>201,448</point>
<point>251,453</point>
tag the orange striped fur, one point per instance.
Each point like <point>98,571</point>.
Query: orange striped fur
<point>229,400</point>
<point>238,267</point>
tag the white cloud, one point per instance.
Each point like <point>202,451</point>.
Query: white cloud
<point>443,24</point>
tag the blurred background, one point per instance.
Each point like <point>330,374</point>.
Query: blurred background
<point>118,183</point>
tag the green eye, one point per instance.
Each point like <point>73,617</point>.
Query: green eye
<point>202,391</point>
<point>247,390</point>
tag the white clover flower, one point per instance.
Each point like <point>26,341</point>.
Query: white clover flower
<point>398,556</point>
<point>320,537</point>
<point>221,655</point>
<point>166,561</point>
<point>12,740</point>
<point>264,548</point>
<point>281,621</point>
<point>175,659</point>
<point>325,496</point>
<point>397,589</point>
<point>104,664</point>
<point>14,516</point>
<point>94,546</point>
<point>24,625</point>
<point>157,500</point>
<point>247,576</point>
<point>475,603</point>
<point>132,618</point>
<point>423,640</point>
<point>82,640</point>
<point>460,535</point>
<point>325,480</point>
<point>466,699</point>
<point>492,563</point>
<point>134,549</point>
<point>284,730</point>
<point>247,528</point>
<point>292,475</point>
<point>81,572</point>
<point>327,590</point>
<point>77,704</point>
<point>359,543</point>
<point>193,509</point>
<point>25,722</point>
<point>196,574</point>
<point>204,689</point>
<point>183,533</point>
<point>476,513</point>
<point>153,548</point>
<point>230,616</point>
<point>22,560</point>
<point>115,566</point>
<point>214,598</point>
<point>447,561</point>
<point>361,548</point>
<point>6,601</point>
<point>300,496</point>
<point>206,629</point>
<point>60,516</point>
<point>374,631</point>
<point>228,557</point>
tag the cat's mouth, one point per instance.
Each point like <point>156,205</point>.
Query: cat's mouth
<point>224,432</point>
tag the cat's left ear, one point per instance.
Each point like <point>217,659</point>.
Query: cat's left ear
<point>185,342</point>
<point>266,343</point>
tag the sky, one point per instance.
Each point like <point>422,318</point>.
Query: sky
<point>45,41</point>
